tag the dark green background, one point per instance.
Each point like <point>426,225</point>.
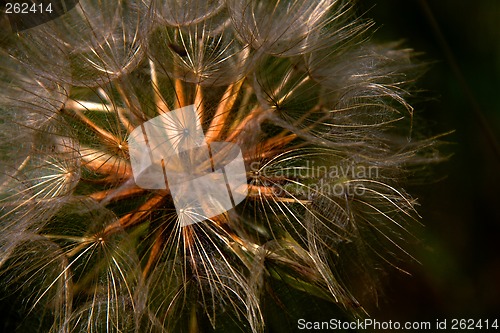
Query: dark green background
<point>459,275</point>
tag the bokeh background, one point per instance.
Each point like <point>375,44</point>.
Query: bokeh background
<point>459,248</point>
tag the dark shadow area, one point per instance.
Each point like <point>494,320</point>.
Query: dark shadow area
<point>459,251</point>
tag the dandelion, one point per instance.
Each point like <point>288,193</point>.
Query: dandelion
<point>321,117</point>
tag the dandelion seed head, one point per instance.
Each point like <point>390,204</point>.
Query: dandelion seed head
<point>319,115</point>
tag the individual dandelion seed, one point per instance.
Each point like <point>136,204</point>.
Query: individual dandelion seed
<point>319,113</point>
